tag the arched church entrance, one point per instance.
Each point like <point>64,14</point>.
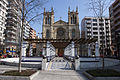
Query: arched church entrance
<point>60,52</point>
<point>60,46</point>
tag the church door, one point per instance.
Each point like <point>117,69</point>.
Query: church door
<point>60,52</point>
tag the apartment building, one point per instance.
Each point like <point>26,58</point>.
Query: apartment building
<point>26,35</point>
<point>33,45</point>
<point>91,27</point>
<point>3,9</point>
<point>26,30</point>
<point>32,33</point>
<point>114,13</point>
<point>13,24</point>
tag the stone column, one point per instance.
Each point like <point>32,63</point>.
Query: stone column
<point>44,61</point>
<point>89,50</point>
<point>73,49</point>
<point>77,64</point>
<point>43,52</point>
<point>97,53</point>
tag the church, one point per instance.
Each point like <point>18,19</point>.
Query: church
<point>60,29</point>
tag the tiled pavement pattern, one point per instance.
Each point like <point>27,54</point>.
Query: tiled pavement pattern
<point>60,63</point>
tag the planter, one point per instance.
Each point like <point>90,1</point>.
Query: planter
<point>100,78</point>
<point>19,77</point>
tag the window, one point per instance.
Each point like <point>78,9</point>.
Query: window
<point>88,23</point>
<point>101,28</point>
<point>94,20</point>
<point>0,28</point>
<point>96,37</point>
<point>95,32</point>
<point>101,20</point>
<point>48,20</point>
<point>71,20</point>
<point>47,34</point>
<point>73,33</point>
<point>101,24</point>
<point>94,28</point>
<point>101,32</point>
<point>94,24</point>
<point>0,34</point>
<point>75,20</point>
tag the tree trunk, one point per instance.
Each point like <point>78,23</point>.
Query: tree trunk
<point>20,55</point>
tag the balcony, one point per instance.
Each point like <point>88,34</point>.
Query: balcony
<point>117,18</point>
<point>14,28</point>
<point>115,13</point>
<point>117,24</point>
<point>10,41</point>
<point>12,23</point>
<point>11,37</point>
<point>88,26</point>
<point>11,32</point>
<point>88,21</point>
<point>116,6</point>
<point>11,17</point>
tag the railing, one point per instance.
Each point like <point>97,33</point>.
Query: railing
<point>70,51</point>
<point>50,51</point>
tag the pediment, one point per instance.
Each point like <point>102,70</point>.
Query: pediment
<point>60,22</point>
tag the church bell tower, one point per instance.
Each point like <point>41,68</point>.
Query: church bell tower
<point>73,16</point>
<point>48,21</point>
<point>73,22</point>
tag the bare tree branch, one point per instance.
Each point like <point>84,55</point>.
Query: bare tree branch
<point>27,3</point>
<point>99,6</point>
<point>33,8</point>
<point>107,5</point>
<point>34,17</point>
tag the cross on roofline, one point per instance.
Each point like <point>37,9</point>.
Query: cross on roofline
<point>60,18</point>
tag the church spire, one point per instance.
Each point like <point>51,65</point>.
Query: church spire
<point>69,9</point>
<point>44,10</point>
<point>52,9</point>
<point>77,9</point>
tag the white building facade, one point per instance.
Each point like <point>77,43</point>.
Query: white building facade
<point>91,27</point>
<point>26,35</point>
<point>3,9</point>
<point>13,24</point>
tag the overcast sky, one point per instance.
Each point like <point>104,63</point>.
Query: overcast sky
<point>61,10</point>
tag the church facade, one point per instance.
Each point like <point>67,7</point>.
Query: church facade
<point>60,29</point>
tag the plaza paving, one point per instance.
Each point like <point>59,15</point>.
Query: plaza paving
<point>60,75</point>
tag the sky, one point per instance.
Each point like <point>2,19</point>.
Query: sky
<point>61,10</point>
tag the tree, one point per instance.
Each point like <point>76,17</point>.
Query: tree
<point>99,8</point>
<point>30,12</point>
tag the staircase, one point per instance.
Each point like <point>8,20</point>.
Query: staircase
<point>59,63</point>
